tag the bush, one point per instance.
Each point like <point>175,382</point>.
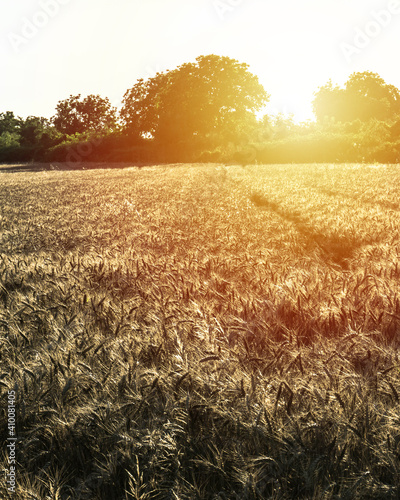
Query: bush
<point>386,152</point>
<point>113,147</point>
<point>315,148</point>
<point>18,154</point>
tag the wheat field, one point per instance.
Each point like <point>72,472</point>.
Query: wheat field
<point>201,331</point>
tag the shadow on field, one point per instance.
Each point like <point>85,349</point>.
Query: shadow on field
<point>386,205</point>
<point>57,166</point>
<point>335,248</point>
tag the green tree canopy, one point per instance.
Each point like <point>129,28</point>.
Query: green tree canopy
<point>215,96</point>
<point>91,114</point>
<point>365,96</point>
<point>32,129</point>
<point>9,122</point>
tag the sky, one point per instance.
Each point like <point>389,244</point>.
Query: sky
<point>51,49</point>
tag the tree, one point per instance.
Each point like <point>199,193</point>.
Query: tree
<point>39,132</point>
<point>32,129</point>
<point>9,130</point>
<point>9,123</point>
<point>91,114</point>
<point>372,86</point>
<point>212,99</point>
<point>9,139</point>
<point>366,96</point>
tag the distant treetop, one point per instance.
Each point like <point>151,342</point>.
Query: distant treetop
<point>365,96</point>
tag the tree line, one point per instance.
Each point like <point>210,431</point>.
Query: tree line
<point>207,111</point>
